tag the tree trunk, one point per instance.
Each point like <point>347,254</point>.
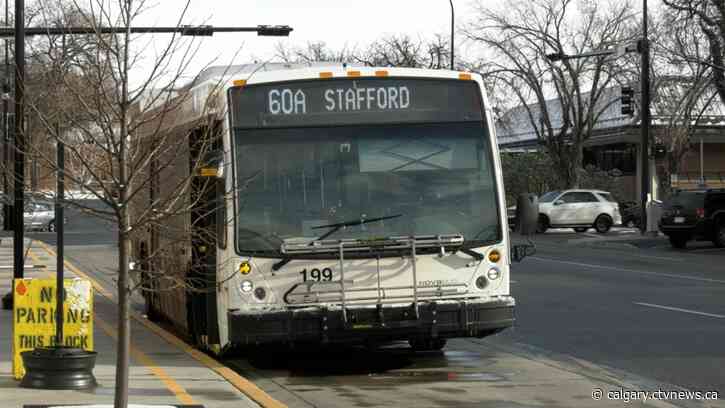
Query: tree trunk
<point>124,242</point>
<point>124,322</point>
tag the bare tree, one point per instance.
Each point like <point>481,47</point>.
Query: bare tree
<point>404,51</point>
<point>684,90</point>
<point>120,136</point>
<point>312,52</point>
<point>707,16</point>
<point>562,101</point>
<point>390,51</point>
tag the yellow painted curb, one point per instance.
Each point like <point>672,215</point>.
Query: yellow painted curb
<point>247,387</point>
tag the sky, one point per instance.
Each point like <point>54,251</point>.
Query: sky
<point>339,24</point>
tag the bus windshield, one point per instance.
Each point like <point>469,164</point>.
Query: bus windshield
<point>422,179</point>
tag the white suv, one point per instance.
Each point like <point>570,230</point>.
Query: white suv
<point>578,209</point>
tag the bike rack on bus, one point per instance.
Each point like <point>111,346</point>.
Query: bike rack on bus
<point>340,247</point>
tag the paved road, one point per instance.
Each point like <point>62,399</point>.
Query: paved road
<point>656,312</point>
<point>607,313</point>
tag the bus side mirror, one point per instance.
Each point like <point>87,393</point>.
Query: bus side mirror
<point>527,214</point>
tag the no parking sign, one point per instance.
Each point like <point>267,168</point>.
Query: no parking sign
<point>34,316</point>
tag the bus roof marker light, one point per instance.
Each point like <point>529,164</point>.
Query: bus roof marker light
<point>353,73</point>
<point>240,82</point>
<point>464,76</point>
<point>326,74</point>
<point>381,73</point>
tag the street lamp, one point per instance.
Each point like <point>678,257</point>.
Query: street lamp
<point>453,28</point>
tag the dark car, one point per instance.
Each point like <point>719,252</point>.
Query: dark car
<point>694,215</point>
<point>631,214</point>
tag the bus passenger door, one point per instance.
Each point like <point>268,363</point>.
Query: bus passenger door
<point>202,306</point>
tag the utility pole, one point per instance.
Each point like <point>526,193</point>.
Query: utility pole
<point>19,176</point>
<point>453,29</point>
<point>646,120</point>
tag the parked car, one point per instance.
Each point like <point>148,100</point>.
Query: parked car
<point>631,214</point>
<point>578,209</point>
<point>37,215</point>
<point>694,215</point>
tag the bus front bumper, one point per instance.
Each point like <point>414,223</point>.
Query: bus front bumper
<point>441,319</point>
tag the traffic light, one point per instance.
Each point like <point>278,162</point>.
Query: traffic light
<point>627,100</point>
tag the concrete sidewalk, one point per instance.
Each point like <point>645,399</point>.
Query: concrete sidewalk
<point>163,371</point>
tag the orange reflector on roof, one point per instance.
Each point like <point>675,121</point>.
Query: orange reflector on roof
<point>326,74</point>
<point>464,76</point>
<point>381,73</point>
<point>240,82</point>
<point>353,73</point>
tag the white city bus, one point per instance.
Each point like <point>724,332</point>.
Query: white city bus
<point>363,205</point>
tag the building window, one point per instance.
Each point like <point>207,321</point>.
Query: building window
<point>622,157</point>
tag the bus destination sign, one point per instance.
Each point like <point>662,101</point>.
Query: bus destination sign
<point>355,101</point>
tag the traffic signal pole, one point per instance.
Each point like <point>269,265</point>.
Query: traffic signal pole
<point>20,32</point>
<point>646,119</point>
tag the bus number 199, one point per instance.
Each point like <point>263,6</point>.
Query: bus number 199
<point>317,275</point>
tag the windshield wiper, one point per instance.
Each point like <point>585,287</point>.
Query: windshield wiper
<point>492,231</point>
<point>335,227</point>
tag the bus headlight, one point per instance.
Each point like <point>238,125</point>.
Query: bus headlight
<point>246,286</point>
<point>481,282</point>
<point>493,274</point>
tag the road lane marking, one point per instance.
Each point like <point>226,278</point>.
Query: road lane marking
<point>245,386</point>
<point>677,309</point>
<point>666,275</point>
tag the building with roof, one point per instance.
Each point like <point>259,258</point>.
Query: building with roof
<point>615,141</point>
